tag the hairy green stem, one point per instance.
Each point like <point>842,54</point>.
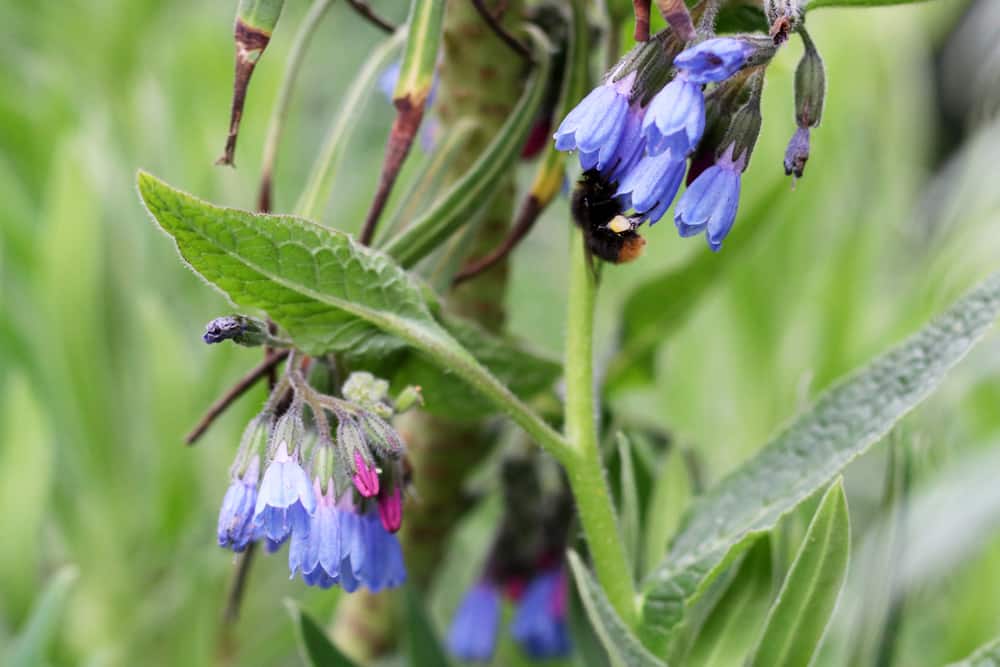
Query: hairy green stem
<point>583,465</point>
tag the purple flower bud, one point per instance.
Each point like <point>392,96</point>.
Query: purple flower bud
<point>235,529</point>
<point>710,203</point>
<point>473,632</point>
<point>650,187</point>
<point>365,477</point>
<point>797,152</point>
<point>714,59</point>
<point>539,624</point>
<point>675,119</point>
<point>390,509</point>
<point>285,500</point>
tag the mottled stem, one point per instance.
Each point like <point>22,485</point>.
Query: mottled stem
<point>479,81</point>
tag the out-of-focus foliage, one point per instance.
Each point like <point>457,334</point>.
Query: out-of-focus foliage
<point>101,373</point>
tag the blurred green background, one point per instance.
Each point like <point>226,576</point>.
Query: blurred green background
<point>102,370</point>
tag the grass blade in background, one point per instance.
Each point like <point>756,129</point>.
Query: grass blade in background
<point>800,614</point>
<point>30,646</point>
<point>423,644</point>
<point>324,171</point>
<point>843,424</point>
<point>315,648</point>
<point>672,491</point>
<point>629,514</point>
<point>987,655</point>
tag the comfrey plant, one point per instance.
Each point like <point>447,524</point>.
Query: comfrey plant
<point>588,539</point>
<point>334,492</point>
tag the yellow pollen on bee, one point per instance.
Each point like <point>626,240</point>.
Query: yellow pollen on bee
<point>620,224</point>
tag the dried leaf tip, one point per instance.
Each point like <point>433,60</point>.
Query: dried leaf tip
<point>255,20</point>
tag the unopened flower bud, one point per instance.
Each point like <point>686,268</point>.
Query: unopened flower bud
<point>810,85</point>
<point>382,437</point>
<point>242,330</point>
<point>744,128</point>
<point>410,397</point>
<point>365,389</point>
<point>288,432</point>
<point>797,153</point>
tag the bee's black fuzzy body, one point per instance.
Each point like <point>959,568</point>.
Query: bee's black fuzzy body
<point>594,206</point>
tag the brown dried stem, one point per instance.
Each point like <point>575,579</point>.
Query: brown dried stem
<point>641,10</point>
<point>263,369</point>
<point>526,217</point>
<point>368,13</point>
<point>513,42</point>
<point>404,130</point>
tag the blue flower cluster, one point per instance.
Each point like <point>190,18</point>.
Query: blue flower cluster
<point>645,149</point>
<point>346,538</point>
<point>539,625</point>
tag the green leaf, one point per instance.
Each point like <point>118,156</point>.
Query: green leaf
<point>671,495</point>
<point>844,423</point>
<point>658,306</point>
<point>813,4</point>
<point>315,647</point>
<point>800,614</point>
<point>987,655</point>
<point>416,73</point>
<point>623,648</point>
<point>423,645</point>
<point>30,646</point>
<point>466,195</point>
<point>733,623</point>
<point>629,511</point>
<point>328,292</point>
<point>526,372</point>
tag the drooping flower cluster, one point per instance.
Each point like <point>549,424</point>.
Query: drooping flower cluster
<point>524,567</point>
<point>639,129</point>
<point>338,500</point>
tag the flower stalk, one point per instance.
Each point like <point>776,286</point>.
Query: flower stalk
<point>583,463</point>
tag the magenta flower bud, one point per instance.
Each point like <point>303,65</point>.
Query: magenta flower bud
<point>390,509</point>
<point>365,477</point>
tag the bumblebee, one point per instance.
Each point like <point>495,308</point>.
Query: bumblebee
<point>607,233</point>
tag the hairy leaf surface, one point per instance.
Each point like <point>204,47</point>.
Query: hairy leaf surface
<point>843,424</point>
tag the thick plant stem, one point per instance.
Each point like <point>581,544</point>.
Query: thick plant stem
<point>480,82</point>
<point>583,465</point>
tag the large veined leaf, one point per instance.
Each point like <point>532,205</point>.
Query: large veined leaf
<point>333,295</point>
<point>800,614</point>
<point>315,647</point>
<point>328,292</point>
<point>844,423</point>
<point>623,648</point>
<point>987,655</point>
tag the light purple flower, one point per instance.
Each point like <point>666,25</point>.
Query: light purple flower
<point>652,184</point>
<point>473,632</point>
<point>714,59</point>
<point>675,120</point>
<point>235,529</point>
<point>539,624</point>
<point>594,126</point>
<point>285,500</point>
<point>710,202</point>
